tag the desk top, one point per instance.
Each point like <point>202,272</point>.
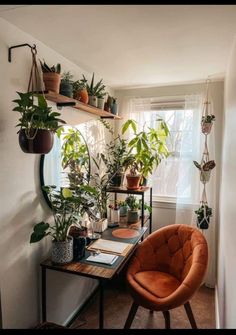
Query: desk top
<point>101,271</point>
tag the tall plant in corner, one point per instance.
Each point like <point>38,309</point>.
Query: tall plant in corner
<point>37,123</point>
<point>147,147</point>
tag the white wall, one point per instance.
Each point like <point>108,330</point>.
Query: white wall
<point>227,230</point>
<point>164,213</point>
<point>21,201</point>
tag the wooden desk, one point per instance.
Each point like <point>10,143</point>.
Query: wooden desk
<point>100,272</point>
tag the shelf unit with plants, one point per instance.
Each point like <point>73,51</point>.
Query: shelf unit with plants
<point>62,100</point>
<point>144,219</point>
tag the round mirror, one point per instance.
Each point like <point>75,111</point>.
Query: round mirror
<point>68,163</point>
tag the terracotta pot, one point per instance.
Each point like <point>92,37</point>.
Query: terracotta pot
<point>42,143</point>
<point>82,96</point>
<point>133,181</point>
<point>52,81</point>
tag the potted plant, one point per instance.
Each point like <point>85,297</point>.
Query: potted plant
<point>67,207</point>
<point>133,211</point>
<point>101,99</point>
<point>205,169</point>
<point>123,208</point>
<point>75,157</point>
<point>66,86</point>
<point>37,123</point>
<point>206,123</point>
<point>133,177</point>
<point>148,147</point>
<point>51,76</point>
<point>80,91</point>
<point>203,216</point>
<point>94,90</point>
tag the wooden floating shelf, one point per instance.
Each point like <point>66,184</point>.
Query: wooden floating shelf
<point>58,98</point>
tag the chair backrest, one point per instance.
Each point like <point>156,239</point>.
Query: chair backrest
<point>175,249</point>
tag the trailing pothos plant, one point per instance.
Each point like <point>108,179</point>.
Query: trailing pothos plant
<point>147,147</point>
<point>34,116</point>
<point>67,207</point>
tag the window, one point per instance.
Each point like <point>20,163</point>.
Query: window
<point>181,125</point>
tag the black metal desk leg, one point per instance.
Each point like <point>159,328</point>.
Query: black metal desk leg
<point>101,305</point>
<point>44,309</point>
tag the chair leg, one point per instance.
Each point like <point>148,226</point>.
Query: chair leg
<point>189,312</point>
<point>131,315</point>
<point>167,319</point>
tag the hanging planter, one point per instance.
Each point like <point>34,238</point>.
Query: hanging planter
<point>205,170</point>
<point>203,216</point>
<point>37,141</point>
<point>206,123</point>
<point>37,121</point>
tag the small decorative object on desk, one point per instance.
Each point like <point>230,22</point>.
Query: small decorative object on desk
<point>115,212</point>
<point>100,225</point>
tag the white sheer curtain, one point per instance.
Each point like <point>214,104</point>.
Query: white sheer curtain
<point>190,146</point>
<point>189,187</point>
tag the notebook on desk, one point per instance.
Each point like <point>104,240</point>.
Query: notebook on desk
<point>108,246</point>
<point>103,258</point>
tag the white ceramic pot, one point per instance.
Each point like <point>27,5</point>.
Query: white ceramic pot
<point>93,100</point>
<point>100,226</point>
<point>62,252</point>
<point>101,102</point>
<point>115,215</point>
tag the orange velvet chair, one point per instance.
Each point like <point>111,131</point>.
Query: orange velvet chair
<point>166,270</point>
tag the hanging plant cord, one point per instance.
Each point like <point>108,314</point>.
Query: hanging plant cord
<point>35,82</point>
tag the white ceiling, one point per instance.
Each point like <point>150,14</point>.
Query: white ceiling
<point>135,45</point>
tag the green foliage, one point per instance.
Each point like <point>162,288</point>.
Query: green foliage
<point>67,77</point>
<point>147,148</point>
<point>75,156</point>
<point>97,89</point>
<point>206,166</point>
<point>208,118</point>
<point>132,202</point>
<point>203,216</point>
<point>79,85</point>
<point>36,116</point>
<point>67,207</point>
<point>55,68</point>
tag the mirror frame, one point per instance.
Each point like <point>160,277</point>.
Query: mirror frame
<point>41,165</point>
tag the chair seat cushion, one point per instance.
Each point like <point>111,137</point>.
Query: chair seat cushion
<point>160,284</point>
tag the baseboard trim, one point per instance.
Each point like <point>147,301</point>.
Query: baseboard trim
<point>217,314</point>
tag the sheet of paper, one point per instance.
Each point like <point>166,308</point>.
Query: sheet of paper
<point>107,245</point>
<point>103,258</point>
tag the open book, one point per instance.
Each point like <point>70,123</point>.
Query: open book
<point>109,246</point>
<point>108,259</point>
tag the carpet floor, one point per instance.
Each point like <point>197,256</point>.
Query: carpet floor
<point>117,303</point>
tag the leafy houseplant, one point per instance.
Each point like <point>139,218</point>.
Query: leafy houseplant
<point>51,76</point>
<point>66,87</point>
<point>37,123</point>
<point>67,206</point>
<point>203,216</point>
<point>205,169</point>
<point>80,91</point>
<point>94,90</point>
<point>123,208</point>
<point>148,147</point>
<point>133,212</point>
<point>206,123</point>
<point>75,156</point>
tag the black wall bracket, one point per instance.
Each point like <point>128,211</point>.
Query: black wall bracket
<point>65,104</point>
<point>18,46</point>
